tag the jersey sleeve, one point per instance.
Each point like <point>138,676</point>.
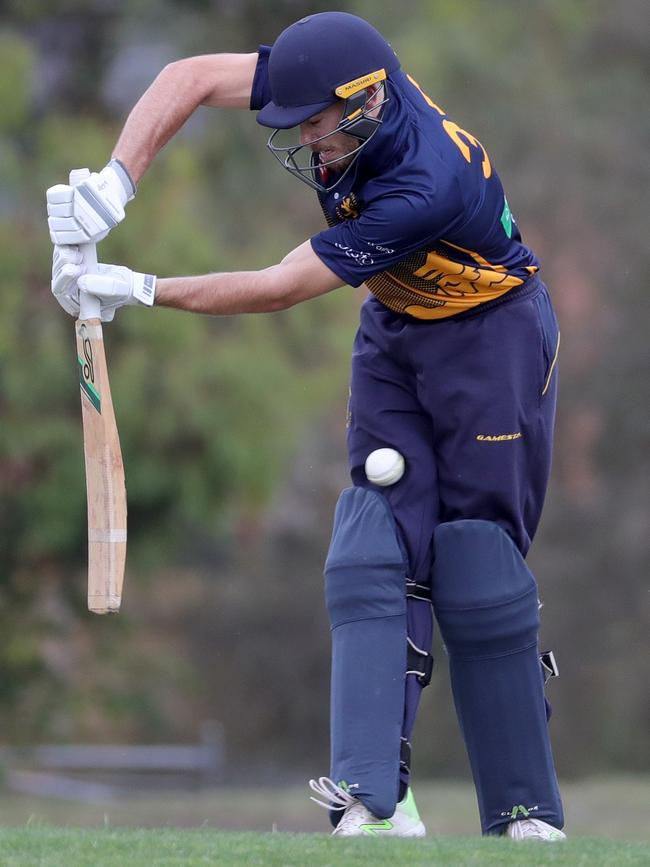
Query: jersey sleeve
<point>261,91</point>
<point>388,230</point>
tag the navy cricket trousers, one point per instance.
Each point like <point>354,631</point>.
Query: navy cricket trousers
<point>470,404</point>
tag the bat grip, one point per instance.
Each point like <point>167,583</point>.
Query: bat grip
<point>89,305</point>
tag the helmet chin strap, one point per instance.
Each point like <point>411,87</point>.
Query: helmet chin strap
<point>356,120</point>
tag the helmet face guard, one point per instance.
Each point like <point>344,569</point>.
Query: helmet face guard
<point>360,119</point>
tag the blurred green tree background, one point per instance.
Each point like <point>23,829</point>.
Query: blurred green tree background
<point>233,428</point>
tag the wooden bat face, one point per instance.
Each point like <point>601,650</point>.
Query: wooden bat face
<point>104,473</point>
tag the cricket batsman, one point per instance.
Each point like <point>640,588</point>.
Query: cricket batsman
<point>453,370</point>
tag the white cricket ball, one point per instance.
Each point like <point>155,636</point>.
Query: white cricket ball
<point>384,467</point>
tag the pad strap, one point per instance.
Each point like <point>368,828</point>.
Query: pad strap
<point>405,756</point>
<point>418,591</point>
<point>419,663</point>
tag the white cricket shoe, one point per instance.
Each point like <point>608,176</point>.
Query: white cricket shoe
<point>533,829</point>
<point>358,821</point>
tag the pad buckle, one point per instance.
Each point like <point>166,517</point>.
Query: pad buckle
<point>549,665</point>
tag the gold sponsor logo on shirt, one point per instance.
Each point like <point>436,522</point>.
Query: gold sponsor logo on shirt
<point>498,438</point>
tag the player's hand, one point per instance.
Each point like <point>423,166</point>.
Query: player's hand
<point>86,213</point>
<point>117,286</point>
<point>67,268</point>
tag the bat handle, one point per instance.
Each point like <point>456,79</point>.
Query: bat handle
<point>89,305</point>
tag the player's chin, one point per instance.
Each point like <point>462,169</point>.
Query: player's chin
<point>335,160</point>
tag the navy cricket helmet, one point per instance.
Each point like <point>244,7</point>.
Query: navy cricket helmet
<point>314,63</point>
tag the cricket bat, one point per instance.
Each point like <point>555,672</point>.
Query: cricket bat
<point>105,487</point>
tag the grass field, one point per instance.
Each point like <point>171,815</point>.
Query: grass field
<point>607,820</point>
<point>55,847</point>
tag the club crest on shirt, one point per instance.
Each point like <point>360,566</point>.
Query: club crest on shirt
<point>348,209</point>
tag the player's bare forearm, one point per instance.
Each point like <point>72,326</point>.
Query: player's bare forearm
<point>219,80</point>
<point>301,275</point>
<point>220,294</point>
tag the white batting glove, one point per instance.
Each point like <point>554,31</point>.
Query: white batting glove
<point>117,286</point>
<point>86,213</point>
<point>113,285</point>
<point>67,268</point>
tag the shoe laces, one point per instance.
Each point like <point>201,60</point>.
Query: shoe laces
<point>337,798</point>
<point>354,815</point>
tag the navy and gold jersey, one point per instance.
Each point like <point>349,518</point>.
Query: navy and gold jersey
<point>422,219</point>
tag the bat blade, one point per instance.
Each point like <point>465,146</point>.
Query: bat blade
<point>105,487</point>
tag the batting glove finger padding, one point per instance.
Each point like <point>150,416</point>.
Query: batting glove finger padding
<point>67,268</point>
<point>87,212</point>
<point>107,312</point>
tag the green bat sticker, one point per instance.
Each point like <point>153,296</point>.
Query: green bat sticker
<point>87,375</point>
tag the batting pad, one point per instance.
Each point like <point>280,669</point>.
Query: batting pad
<point>485,601</point>
<point>365,588</point>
